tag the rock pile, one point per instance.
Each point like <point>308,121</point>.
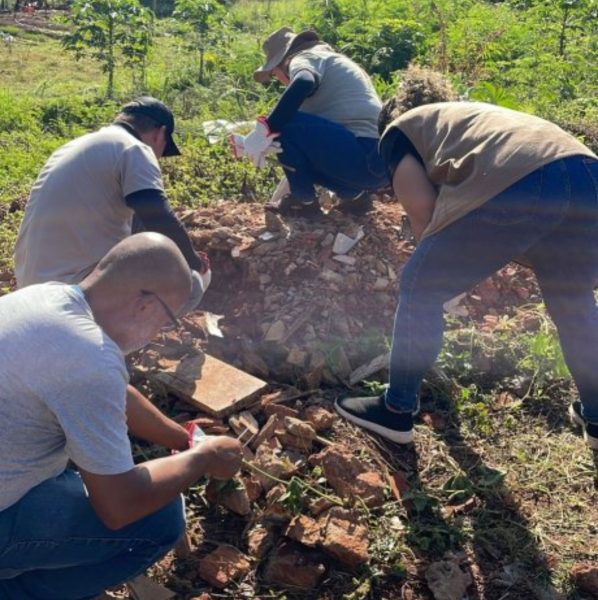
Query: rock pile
<point>311,301</point>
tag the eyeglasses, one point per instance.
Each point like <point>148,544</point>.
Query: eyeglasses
<point>165,306</point>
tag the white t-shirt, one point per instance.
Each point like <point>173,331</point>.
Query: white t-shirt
<point>76,210</point>
<point>63,385</point>
<point>345,93</point>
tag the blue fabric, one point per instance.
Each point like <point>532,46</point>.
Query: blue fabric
<point>550,218</point>
<point>54,547</point>
<point>319,151</point>
<point>303,85</point>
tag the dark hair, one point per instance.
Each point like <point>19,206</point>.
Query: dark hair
<point>418,86</point>
<point>140,123</point>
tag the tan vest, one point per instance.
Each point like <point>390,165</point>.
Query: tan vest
<point>474,151</point>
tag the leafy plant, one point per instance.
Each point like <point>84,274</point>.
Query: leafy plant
<point>109,31</point>
<point>202,16</point>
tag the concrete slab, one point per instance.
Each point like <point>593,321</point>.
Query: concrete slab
<point>209,384</point>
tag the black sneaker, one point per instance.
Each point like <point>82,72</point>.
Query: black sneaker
<point>358,205</point>
<point>370,412</point>
<point>590,430</point>
<point>291,206</point>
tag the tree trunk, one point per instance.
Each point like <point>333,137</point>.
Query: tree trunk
<point>110,63</point>
<point>563,34</point>
<point>201,64</point>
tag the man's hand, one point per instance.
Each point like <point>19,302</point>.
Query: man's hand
<point>222,456</point>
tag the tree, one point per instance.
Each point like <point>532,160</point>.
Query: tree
<point>201,16</point>
<point>110,31</point>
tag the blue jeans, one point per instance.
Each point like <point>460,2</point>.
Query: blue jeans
<point>550,218</point>
<point>319,151</point>
<point>54,547</point>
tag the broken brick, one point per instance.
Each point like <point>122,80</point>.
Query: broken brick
<point>266,432</point>
<point>223,565</point>
<point>300,428</point>
<point>231,494</point>
<point>345,538</point>
<point>319,417</point>
<point>280,411</point>
<point>585,577</point>
<point>260,539</point>
<point>304,530</point>
<point>290,567</point>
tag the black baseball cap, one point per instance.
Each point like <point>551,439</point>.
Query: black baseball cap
<point>159,112</point>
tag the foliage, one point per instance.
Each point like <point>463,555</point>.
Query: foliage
<point>108,28</point>
<point>202,16</point>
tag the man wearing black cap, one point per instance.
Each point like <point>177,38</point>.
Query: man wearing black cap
<point>87,194</point>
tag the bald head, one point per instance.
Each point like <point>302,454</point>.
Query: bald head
<point>145,261</point>
<point>136,287</point>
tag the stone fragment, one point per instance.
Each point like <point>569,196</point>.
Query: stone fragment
<point>320,418</point>
<point>370,486</point>
<point>280,410</point>
<point>223,565</point>
<point>305,530</point>
<point>276,332</point>
<point>244,425</point>
<point>343,243</point>
<point>327,240</point>
<point>293,442</point>
<point>344,259</point>
<point>205,423</point>
<point>345,538</point>
<point>275,510</point>
<point>273,221</point>
<point>446,580</point>
<point>266,432</point>
<point>339,364</point>
<point>348,476</point>
<point>254,363</point>
<point>143,588</point>
<point>319,505</point>
<point>253,486</point>
<point>585,578</point>
<point>331,276</point>
<point>296,357</point>
<point>288,566</point>
<point>381,283</point>
<point>373,366</point>
<point>300,428</point>
<point>231,495</point>
<point>274,463</point>
<point>260,538</point>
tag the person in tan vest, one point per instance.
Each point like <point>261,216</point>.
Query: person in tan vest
<point>484,185</point>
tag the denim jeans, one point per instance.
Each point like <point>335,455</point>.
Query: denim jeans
<point>550,218</point>
<point>319,151</point>
<point>54,547</point>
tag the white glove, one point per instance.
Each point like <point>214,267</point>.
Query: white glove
<point>261,142</point>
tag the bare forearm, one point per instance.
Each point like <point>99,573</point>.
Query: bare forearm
<point>144,489</point>
<point>415,192</point>
<point>148,423</point>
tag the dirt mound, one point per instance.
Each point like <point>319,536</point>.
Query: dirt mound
<point>310,301</point>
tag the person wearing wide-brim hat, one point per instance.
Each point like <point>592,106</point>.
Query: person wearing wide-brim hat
<point>483,185</point>
<point>323,128</point>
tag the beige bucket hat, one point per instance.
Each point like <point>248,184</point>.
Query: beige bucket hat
<point>276,48</point>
